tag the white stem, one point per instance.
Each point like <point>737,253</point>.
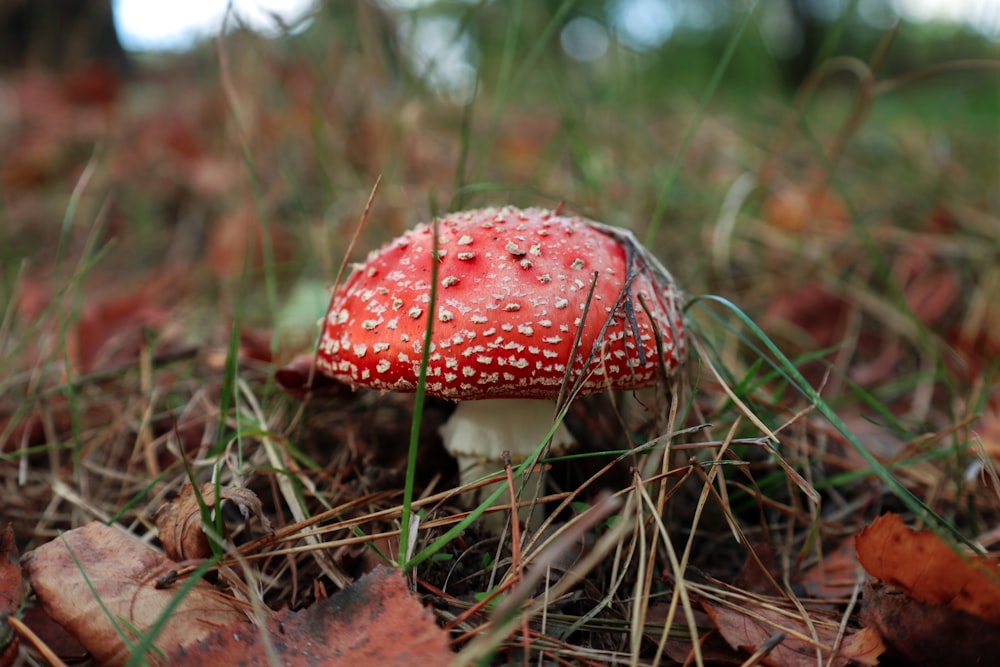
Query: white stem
<point>480,431</point>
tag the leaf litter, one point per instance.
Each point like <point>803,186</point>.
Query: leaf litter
<point>124,392</point>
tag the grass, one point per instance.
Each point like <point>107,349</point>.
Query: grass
<point>790,429</point>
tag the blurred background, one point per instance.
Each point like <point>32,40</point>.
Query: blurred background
<point>830,166</point>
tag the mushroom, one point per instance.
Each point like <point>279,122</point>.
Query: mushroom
<point>525,300</point>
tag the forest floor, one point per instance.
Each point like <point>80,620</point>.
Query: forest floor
<point>817,486</point>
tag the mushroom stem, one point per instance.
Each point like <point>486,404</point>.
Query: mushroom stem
<point>480,431</point>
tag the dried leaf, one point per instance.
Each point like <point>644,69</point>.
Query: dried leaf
<point>94,577</point>
<point>812,309</point>
<point>928,570</point>
<point>752,625</point>
<point>179,522</point>
<point>11,583</point>
<point>53,635</point>
<point>374,622</point>
<point>928,634</point>
<point>835,576</point>
<point>12,587</point>
<point>795,208</point>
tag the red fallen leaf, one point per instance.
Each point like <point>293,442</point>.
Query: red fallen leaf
<point>255,345</point>
<point>53,635</point>
<point>752,625</point>
<point>113,331</point>
<point>12,588</point>
<point>834,577</point>
<point>179,522</point>
<point>930,287</point>
<point>91,575</point>
<point>110,330</point>
<point>714,650</point>
<point>928,570</point>
<point>377,621</point>
<point>795,208</point>
<point>814,310</point>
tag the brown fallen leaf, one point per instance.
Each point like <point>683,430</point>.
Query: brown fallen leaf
<point>928,570</point>
<point>53,636</point>
<point>928,634</point>
<point>12,589</point>
<point>179,522</point>
<point>374,622</point>
<point>936,605</point>
<point>812,309</point>
<point>804,208</point>
<point>752,625</point>
<point>713,648</point>
<point>835,576</point>
<point>98,582</point>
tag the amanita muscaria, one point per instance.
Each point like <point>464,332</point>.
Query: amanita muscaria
<point>513,288</point>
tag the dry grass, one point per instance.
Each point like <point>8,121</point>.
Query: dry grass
<point>143,328</point>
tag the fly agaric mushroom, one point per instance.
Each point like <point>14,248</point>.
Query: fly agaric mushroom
<point>516,289</point>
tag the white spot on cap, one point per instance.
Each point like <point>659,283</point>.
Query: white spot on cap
<point>343,316</point>
<point>525,329</point>
<point>360,350</point>
<point>449,281</point>
<point>514,249</point>
<point>397,303</point>
<point>383,366</point>
<point>445,315</point>
<point>479,319</point>
<point>466,255</point>
<point>416,312</point>
<point>465,240</point>
<point>526,263</point>
<point>536,250</point>
<point>561,303</point>
<point>511,307</point>
<point>369,325</point>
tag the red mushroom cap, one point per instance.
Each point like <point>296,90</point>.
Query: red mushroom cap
<point>512,288</point>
